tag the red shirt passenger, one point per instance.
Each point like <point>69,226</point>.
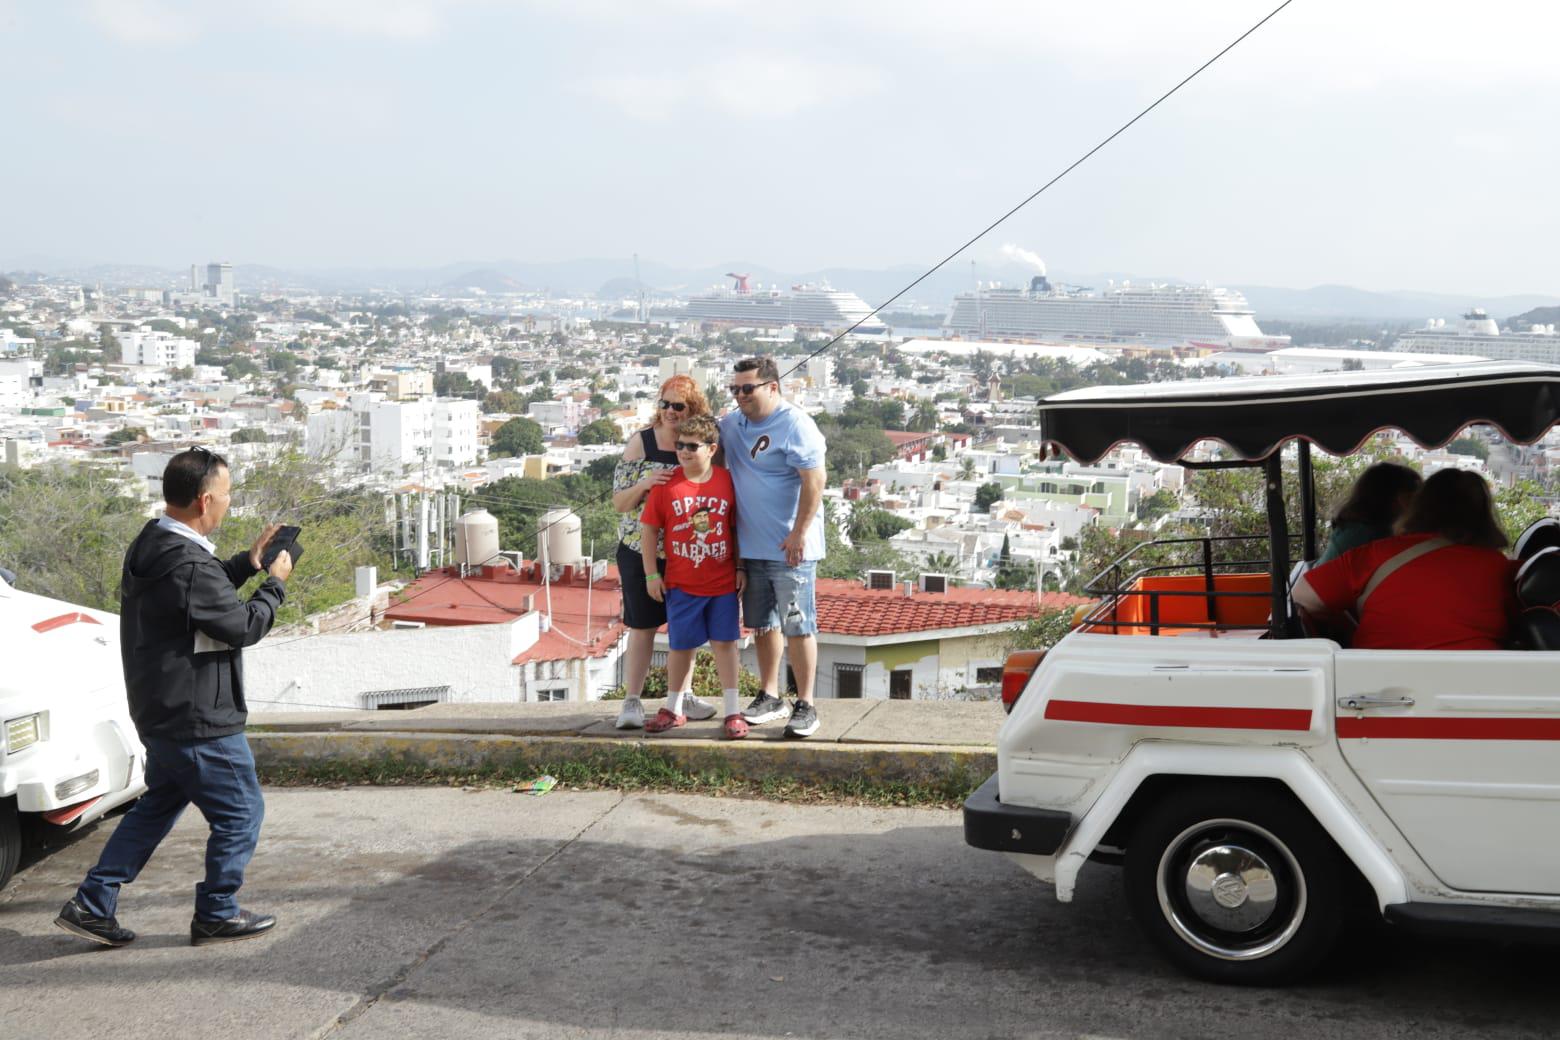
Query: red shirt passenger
<point>1443,584</point>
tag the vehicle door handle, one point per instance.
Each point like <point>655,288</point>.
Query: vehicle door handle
<point>1365,701</point>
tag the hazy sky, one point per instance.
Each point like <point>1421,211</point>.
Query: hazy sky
<point>1377,143</point>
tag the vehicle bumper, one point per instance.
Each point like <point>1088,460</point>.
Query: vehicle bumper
<point>990,825</point>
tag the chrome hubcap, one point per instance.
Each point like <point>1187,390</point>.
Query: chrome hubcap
<point>1230,887</point>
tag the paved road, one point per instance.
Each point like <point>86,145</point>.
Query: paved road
<point>440,913</point>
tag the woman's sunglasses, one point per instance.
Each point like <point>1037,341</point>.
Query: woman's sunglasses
<point>675,406</point>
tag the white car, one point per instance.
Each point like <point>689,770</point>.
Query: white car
<point>68,750</point>
<point>1259,785</point>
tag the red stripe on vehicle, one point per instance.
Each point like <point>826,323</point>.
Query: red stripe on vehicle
<point>71,813</point>
<point>1179,716</point>
<point>52,623</point>
<point>1448,728</point>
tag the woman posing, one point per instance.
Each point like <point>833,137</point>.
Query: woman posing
<point>649,459</point>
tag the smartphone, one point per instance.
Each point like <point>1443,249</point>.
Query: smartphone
<point>285,538</point>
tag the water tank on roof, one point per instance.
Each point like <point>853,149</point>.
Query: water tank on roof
<point>558,537</point>
<point>476,538</point>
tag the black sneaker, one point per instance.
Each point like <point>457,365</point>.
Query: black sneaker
<point>804,720</point>
<point>243,925</point>
<point>766,707</point>
<point>105,930</point>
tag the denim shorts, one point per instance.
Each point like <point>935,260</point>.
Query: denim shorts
<point>781,596</point>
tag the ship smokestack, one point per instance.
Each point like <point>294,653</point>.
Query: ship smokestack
<point>1039,284</point>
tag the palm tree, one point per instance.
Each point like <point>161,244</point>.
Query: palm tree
<point>942,563</point>
<point>925,417</point>
<point>967,469</point>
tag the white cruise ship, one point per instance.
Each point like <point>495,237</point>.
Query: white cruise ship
<point>1479,336</point>
<point>1151,315</point>
<point>805,306</point>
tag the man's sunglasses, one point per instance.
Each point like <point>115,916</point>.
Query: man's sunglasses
<point>676,406</point>
<point>691,445</point>
<point>741,389</point>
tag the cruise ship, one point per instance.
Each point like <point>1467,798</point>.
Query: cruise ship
<point>805,306</point>
<point>1479,336</point>
<point>1150,315</point>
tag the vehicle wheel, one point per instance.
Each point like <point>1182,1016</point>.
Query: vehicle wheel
<point>10,840</point>
<point>1236,884</point>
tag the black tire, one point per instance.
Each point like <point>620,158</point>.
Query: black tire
<point>10,840</point>
<point>1236,883</point>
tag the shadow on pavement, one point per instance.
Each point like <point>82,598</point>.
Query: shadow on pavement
<point>902,933</point>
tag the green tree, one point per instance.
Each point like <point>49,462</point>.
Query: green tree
<point>1470,446</point>
<point>601,431</point>
<point>517,437</point>
<point>82,507</point>
<point>1160,503</point>
<point>987,495</point>
<point>942,563</point>
<point>924,418</point>
<point>504,401</point>
<point>239,369</point>
<point>250,435</point>
<point>716,395</point>
<point>125,435</point>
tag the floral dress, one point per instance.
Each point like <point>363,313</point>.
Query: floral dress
<point>627,474</point>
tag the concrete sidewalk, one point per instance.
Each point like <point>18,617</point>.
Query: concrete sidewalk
<point>938,743</point>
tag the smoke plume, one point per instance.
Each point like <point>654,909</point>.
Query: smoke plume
<point>1024,256</point>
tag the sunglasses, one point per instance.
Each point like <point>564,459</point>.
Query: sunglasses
<point>676,406</point>
<point>692,445</point>
<point>741,389</point>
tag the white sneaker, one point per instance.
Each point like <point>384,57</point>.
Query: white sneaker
<point>633,714</point>
<point>697,710</point>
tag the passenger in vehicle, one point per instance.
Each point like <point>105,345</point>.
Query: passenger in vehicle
<point>1440,583</point>
<point>1379,497</point>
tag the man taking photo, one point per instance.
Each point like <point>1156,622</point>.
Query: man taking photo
<point>182,629</point>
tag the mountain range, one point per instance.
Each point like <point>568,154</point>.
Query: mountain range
<point>615,279</point>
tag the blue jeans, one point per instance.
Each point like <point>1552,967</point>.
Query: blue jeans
<point>780,596</point>
<point>218,776</point>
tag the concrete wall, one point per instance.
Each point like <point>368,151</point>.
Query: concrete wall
<point>333,671</point>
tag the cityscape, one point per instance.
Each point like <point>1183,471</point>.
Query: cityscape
<point>416,410</point>
<point>883,521</point>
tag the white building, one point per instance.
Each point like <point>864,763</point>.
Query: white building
<point>156,348</point>
<point>395,436</point>
<point>11,343</point>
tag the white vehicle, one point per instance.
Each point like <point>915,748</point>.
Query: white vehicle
<point>1258,784</point>
<point>68,750</point>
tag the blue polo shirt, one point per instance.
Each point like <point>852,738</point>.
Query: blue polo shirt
<point>763,458</point>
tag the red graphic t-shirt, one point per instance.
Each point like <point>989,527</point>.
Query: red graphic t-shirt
<point>699,523</point>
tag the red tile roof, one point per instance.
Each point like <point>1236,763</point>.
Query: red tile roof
<point>845,608</point>
<point>497,594</point>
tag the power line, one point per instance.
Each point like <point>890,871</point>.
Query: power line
<point>1123,128</point>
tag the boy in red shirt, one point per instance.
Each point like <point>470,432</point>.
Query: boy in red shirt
<point>697,509</point>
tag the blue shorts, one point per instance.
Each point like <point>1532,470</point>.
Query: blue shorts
<point>781,596</point>
<point>692,621</point>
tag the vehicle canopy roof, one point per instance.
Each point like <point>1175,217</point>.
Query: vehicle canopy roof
<point>1255,415</point>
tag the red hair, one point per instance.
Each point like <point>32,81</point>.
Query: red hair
<point>692,395</point>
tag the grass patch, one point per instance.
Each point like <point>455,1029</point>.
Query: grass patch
<point>629,768</point>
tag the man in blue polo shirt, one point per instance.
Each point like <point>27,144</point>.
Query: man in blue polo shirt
<point>775,454</point>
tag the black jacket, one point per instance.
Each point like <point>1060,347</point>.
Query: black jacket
<point>172,591</point>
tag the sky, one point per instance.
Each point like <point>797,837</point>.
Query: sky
<point>1382,144</point>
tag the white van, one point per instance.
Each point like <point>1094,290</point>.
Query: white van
<point>68,750</point>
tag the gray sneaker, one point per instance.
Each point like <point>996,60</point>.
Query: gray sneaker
<point>697,710</point>
<point>804,720</point>
<point>766,707</point>
<point>632,716</point>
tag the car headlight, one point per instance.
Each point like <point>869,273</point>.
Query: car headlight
<point>22,732</point>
